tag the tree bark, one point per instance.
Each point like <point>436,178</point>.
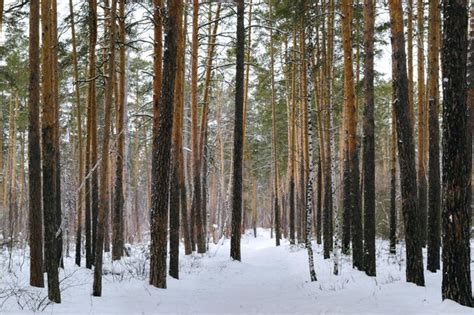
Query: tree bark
<point>177,143</point>
<point>79,192</point>
<point>457,156</point>
<point>35,223</point>
<point>162,149</point>
<point>238,136</point>
<point>91,194</point>
<point>104,170</point>
<point>352,223</point>
<point>422,210</point>
<point>406,147</point>
<point>368,152</point>
<point>117,216</point>
<point>434,188</point>
<point>274,136</point>
<point>49,155</point>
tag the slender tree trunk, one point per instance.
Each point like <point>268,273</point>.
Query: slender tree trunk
<point>162,150</point>
<point>421,176</point>
<point>55,86</point>
<point>35,223</point>
<point>91,150</point>
<point>196,203</point>
<point>319,200</point>
<point>49,155</point>
<point>238,136</point>
<point>329,190</point>
<point>292,146</point>
<point>177,143</point>
<point>457,156</point>
<point>134,184</point>
<point>117,216</point>
<point>393,186</point>
<point>352,212</point>
<point>434,188</point>
<point>104,170</point>
<point>368,152</point>
<point>274,136</point>
<point>406,147</point>
<point>310,175</point>
<point>79,189</point>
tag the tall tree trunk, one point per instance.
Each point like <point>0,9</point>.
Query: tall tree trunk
<point>238,136</point>
<point>421,176</point>
<point>80,184</point>
<point>292,146</point>
<point>91,194</point>
<point>104,170</point>
<point>352,212</point>
<point>406,147</point>
<point>162,150</point>
<point>177,143</point>
<point>329,190</point>
<point>434,188</point>
<point>457,156</point>
<point>310,175</point>
<point>200,197</point>
<point>35,224</point>
<point>49,155</point>
<point>369,141</point>
<point>196,203</point>
<point>276,205</point>
<point>117,215</point>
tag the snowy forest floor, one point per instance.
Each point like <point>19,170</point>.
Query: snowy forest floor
<point>268,280</point>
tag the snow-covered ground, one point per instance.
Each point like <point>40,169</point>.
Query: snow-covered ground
<point>268,280</point>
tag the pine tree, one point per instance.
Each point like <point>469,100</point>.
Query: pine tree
<point>177,151</point>
<point>434,185</point>
<point>238,136</point>
<point>104,170</point>
<point>117,216</point>
<point>421,176</point>
<point>162,149</point>
<point>77,94</point>
<point>34,149</point>
<point>368,153</point>
<point>49,155</point>
<point>457,156</point>
<point>352,223</point>
<point>406,147</point>
<point>274,137</point>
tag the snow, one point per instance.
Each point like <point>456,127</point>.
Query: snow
<point>268,280</point>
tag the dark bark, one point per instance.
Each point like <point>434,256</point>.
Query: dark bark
<point>49,156</point>
<point>57,178</point>
<point>406,147</point>
<point>457,156</point>
<point>238,136</point>
<point>434,188</point>
<point>34,153</point>
<point>352,223</point>
<point>104,170</point>
<point>117,213</point>
<point>368,154</point>
<point>177,151</point>
<point>91,194</point>
<point>162,150</point>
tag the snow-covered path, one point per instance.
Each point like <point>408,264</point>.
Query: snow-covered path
<point>268,280</point>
